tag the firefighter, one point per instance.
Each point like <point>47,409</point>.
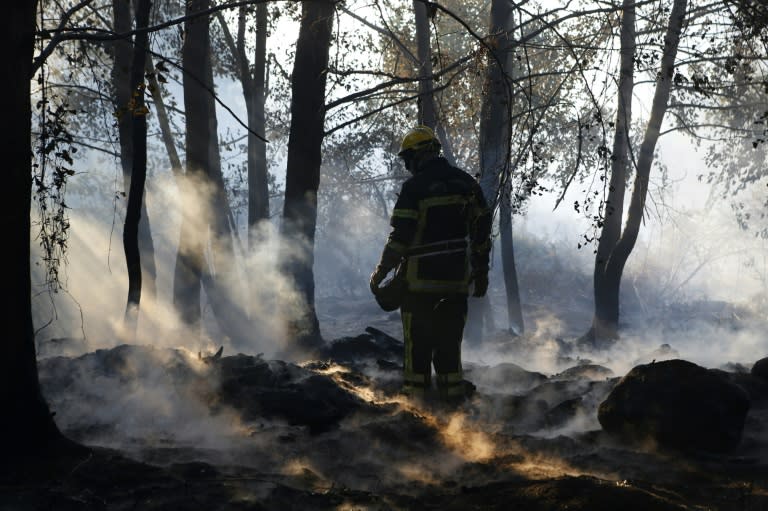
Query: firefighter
<point>441,229</point>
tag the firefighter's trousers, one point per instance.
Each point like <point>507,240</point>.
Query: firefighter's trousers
<point>432,327</point>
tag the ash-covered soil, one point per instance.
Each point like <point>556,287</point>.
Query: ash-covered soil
<point>172,429</point>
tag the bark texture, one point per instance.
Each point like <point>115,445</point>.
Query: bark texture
<point>495,134</point>
<point>123,88</point>
<point>427,111</point>
<point>303,166</point>
<point>258,184</point>
<point>427,106</point>
<point>511,286</point>
<point>133,212</point>
<point>606,322</point>
<point>222,279</point>
<point>27,427</point>
<point>187,283</point>
<point>162,118</point>
<point>606,317</point>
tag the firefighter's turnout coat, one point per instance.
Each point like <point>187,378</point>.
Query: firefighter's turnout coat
<point>441,229</point>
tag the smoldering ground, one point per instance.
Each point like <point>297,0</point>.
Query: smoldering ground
<point>324,427</point>
<point>336,423</point>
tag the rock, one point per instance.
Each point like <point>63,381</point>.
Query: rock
<point>663,352</point>
<point>755,387</point>
<point>592,372</point>
<point>564,412</point>
<point>734,367</point>
<point>275,389</point>
<point>760,369</point>
<point>677,404</point>
<point>317,403</point>
<point>384,339</point>
<point>386,365</point>
<point>554,392</point>
<point>368,346</point>
<point>548,404</point>
<point>506,377</point>
<point>522,413</point>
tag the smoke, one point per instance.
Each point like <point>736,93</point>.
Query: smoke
<point>256,299</point>
<point>132,397</point>
<point>694,282</point>
<point>680,299</point>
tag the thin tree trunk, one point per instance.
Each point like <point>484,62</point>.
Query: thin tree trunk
<point>494,162</point>
<point>221,278</point>
<point>190,255</point>
<point>606,318</point>
<point>121,80</point>
<point>606,323</point>
<point>258,186</point>
<point>426,104</point>
<point>254,93</point>
<point>221,231</point>
<point>27,428</point>
<point>147,251</point>
<point>138,171</point>
<point>427,111</point>
<point>622,250</point>
<point>123,94</point>
<point>304,160</point>
<point>162,118</point>
<point>514,304</point>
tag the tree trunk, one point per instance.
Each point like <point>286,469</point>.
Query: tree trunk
<point>427,108</point>
<point>121,82</point>
<point>221,278</point>
<point>619,255</point>
<point>606,318</point>
<point>606,323</point>
<point>514,304</point>
<point>190,255</point>
<point>138,171</point>
<point>162,118</point>
<point>27,428</point>
<point>303,166</point>
<point>495,118</point>
<point>258,186</point>
<point>254,93</point>
<point>426,103</point>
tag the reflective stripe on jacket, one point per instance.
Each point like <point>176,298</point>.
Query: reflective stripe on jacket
<point>441,225</point>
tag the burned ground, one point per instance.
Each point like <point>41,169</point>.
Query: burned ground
<point>171,429</point>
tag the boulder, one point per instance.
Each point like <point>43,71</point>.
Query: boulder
<point>370,346</point>
<point>505,377</point>
<point>564,412</point>
<point>275,389</point>
<point>760,369</point>
<point>591,372</point>
<point>663,352</point>
<point>678,404</point>
<point>755,387</point>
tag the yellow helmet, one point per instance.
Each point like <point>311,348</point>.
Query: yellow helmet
<point>419,138</point>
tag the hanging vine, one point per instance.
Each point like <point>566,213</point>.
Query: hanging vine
<point>51,169</point>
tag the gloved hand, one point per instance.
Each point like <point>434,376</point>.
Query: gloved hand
<point>480,281</point>
<point>376,277</point>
